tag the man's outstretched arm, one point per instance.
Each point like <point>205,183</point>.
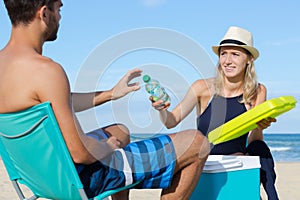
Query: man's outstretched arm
<point>84,101</point>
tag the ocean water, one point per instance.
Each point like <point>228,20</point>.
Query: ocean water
<point>284,147</point>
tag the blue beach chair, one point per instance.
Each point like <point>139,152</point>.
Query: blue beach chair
<point>35,154</point>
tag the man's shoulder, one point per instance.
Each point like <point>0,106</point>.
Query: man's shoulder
<point>44,65</point>
<point>40,71</point>
<point>47,63</point>
<point>25,60</point>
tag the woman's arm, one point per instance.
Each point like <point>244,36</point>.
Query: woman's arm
<point>257,134</point>
<point>171,119</point>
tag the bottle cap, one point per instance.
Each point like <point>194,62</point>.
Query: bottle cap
<point>146,78</point>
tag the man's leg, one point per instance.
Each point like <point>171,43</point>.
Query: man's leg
<point>192,150</point>
<point>121,132</point>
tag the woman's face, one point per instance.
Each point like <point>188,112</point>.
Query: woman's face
<point>233,61</point>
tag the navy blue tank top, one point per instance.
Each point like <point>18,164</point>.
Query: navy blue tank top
<point>219,111</point>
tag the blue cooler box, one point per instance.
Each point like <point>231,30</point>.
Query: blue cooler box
<point>229,178</point>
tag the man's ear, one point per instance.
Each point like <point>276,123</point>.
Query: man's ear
<point>42,13</point>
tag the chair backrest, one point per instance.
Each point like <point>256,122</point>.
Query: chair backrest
<point>35,154</point>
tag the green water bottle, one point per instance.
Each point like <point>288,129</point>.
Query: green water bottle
<point>154,88</point>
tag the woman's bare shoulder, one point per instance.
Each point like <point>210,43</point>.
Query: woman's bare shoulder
<point>204,86</point>
<point>262,88</point>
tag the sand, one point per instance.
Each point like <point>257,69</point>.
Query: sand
<point>288,184</point>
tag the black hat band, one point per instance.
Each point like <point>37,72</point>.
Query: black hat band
<point>229,41</point>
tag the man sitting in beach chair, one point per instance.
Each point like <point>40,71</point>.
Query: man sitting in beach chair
<point>27,79</point>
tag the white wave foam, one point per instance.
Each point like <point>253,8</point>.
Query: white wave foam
<point>276,149</point>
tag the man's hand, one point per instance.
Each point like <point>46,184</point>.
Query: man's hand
<point>123,87</point>
<point>113,142</point>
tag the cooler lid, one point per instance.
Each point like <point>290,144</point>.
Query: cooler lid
<point>225,163</point>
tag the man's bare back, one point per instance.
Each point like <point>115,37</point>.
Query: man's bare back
<point>22,75</point>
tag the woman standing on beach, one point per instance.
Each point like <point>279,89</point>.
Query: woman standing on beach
<point>232,92</point>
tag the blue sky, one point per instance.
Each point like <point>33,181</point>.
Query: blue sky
<point>89,26</point>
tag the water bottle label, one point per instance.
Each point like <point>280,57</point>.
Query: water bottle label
<point>155,90</point>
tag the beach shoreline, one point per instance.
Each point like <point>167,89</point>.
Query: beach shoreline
<point>287,184</point>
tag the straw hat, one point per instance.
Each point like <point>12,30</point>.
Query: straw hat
<point>237,36</point>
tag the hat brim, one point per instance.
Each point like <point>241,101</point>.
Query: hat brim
<point>254,52</point>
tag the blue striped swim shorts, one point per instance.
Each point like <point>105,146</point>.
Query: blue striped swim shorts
<point>151,162</point>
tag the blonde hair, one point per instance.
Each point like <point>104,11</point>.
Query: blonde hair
<point>250,83</point>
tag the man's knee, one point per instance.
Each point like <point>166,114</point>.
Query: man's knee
<point>123,128</point>
<point>199,143</point>
<point>204,145</point>
<point>120,131</point>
